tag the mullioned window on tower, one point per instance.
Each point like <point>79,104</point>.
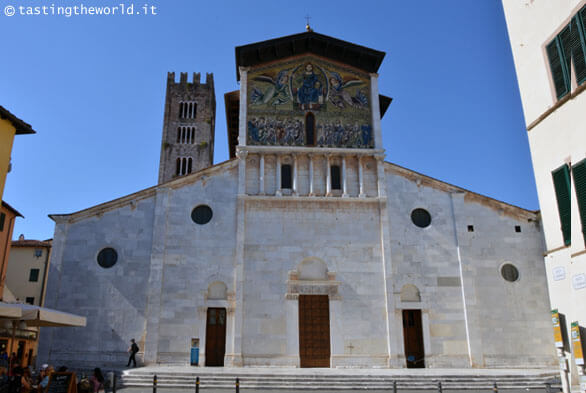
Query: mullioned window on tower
<point>567,50</point>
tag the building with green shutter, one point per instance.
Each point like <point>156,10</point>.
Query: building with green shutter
<point>548,40</point>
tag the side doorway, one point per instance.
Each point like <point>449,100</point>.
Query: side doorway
<point>215,337</point>
<point>413,339</point>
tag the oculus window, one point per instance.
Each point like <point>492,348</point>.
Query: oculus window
<point>202,214</point>
<point>107,257</point>
<point>421,218</point>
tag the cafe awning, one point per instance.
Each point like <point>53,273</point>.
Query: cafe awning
<point>39,316</point>
<point>10,311</point>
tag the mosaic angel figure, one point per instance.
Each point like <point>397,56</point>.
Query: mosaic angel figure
<point>276,94</point>
<point>340,97</point>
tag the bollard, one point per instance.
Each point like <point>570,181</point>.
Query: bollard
<point>197,385</point>
<point>114,384</point>
<point>237,385</point>
<point>155,383</point>
<point>394,386</point>
<point>495,388</point>
<point>439,387</point>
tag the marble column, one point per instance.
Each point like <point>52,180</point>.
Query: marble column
<point>328,176</point>
<point>311,193</point>
<point>360,178</point>
<point>344,184</point>
<point>278,173</point>
<point>294,191</point>
<point>261,178</point>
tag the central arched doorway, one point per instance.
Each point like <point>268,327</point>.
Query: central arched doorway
<point>314,331</point>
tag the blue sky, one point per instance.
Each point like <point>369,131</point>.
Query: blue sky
<point>93,87</point>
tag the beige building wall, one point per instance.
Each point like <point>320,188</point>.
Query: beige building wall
<point>27,256</point>
<point>556,132</point>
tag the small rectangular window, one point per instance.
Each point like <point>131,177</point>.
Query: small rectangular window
<point>2,219</point>
<point>517,228</point>
<point>33,275</point>
<point>335,173</point>
<point>286,176</point>
<point>30,300</point>
<point>470,228</point>
<point>561,183</point>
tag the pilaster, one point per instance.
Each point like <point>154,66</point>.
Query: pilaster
<point>155,283</point>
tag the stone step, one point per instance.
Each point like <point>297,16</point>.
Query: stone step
<point>325,377</point>
<point>338,379</point>
<point>337,382</point>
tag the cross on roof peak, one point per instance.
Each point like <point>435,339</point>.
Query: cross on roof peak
<point>307,27</point>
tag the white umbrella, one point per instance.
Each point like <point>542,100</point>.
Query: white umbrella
<point>41,316</point>
<point>37,316</point>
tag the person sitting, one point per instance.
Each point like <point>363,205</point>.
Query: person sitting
<point>46,376</point>
<point>97,380</point>
<point>26,381</point>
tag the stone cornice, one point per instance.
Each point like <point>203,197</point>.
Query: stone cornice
<point>315,151</point>
<point>140,195</point>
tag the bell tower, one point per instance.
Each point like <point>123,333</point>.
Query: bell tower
<point>188,128</point>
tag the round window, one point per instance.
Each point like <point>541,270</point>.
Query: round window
<point>510,272</point>
<point>202,214</point>
<point>107,257</point>
<point>421,218</point>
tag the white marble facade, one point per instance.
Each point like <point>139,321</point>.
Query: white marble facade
<point>257,246</point>
<point>264,247</point>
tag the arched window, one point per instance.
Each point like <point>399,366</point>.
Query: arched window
<point>410,293</point>
<point>286,176</point>
<point>335,177</point>
<point>187,110</point>
<point>217,291</point>
<point>178,134</point>
<point>313,269</point>
<point>178,167</point>
<point>310,129</point>
<point>183,166</point>
<point>189,162</point>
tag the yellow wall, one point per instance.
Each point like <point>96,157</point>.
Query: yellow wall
<point>7,132</point>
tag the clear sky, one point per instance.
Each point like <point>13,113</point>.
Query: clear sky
<point>93,87</point>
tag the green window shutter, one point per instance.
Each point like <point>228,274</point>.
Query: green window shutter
<point>581,24</point>
<point>579,174</point>
<point>561,182</point>
<point>572,42</point>
<point>557,65</point>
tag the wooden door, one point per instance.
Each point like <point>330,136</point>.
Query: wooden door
<point>215,337</point>
<point>413,339</point>
<point>314,330</point>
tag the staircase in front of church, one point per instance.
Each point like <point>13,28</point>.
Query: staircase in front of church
<point>307,379</point>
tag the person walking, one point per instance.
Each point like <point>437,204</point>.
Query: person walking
<point>133,349</point>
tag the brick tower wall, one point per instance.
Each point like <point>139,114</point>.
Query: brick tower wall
<point>189,125</point>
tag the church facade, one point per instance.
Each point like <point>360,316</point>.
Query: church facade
<point>306,248</point>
